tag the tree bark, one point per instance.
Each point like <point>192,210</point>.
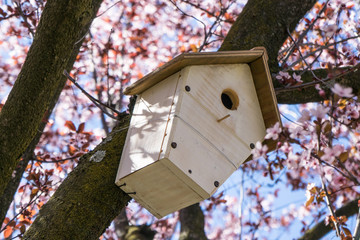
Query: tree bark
<point>192,223</point>
<point>88,199</point>
<point>62,25</point>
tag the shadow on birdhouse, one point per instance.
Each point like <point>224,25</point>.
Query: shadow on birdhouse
<point>194,123</point>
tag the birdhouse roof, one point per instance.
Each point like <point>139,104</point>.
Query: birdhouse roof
<point>255,58</point>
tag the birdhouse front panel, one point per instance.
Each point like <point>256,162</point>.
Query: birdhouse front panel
<point>193,124</point>
<point>220,103</point>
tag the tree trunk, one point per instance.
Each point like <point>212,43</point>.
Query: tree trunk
<point>62,25</point>
<point>192,223</point>
<point>88,199</point>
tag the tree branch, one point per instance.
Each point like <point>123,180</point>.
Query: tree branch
<point>320,229</point>
<point>309,94</point>
<point>192,223</point>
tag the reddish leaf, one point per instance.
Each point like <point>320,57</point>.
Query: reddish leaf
<point>8,231</point>
<point>21,189</point>
<point>6,220</point>
<point>22,229</point>
<point>72,150</point>
<point>85,146</point>
<point>308,202</point>
<point>193,47</point>
<point>70,125</point>
<point>346,231</point>
<point>81,128</point>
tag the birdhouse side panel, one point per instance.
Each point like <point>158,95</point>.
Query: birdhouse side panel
<point>266,92</point>
<point>159,190</point>
<point>147,126</point>
<point>205,168</point>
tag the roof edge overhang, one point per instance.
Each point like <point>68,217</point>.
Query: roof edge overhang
<point>256,58</point>
<point>187,59</point>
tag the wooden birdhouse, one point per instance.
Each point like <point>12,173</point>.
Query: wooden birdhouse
<point>194,123</point>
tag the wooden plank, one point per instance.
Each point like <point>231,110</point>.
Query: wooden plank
<point>147,127</point>
<point>202,107</point>
<point>186,59</point>
<point>200,161</point>
<point>159,190</point>
<point>265,91</point>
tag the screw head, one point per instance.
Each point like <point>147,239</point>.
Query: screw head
<point>216,184</point>
<point>252,146</point>
<point>173,144</point>
<point>187,88</point>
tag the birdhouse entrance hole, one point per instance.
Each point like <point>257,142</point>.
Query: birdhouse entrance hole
<point>230,99</point>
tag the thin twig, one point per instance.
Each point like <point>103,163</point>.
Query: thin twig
<point>328,203</point>
<point>357,227</point>
<point>302,35</point>
<point>97,103</point>
<point>241,202</point>
<point>329,165</point>
<point>18,6</point>
<point>301,56</point>
<point>353,178</point>
<point>99,93</point>
<point>187,15</point>
<point>319,48</point>
<point>56,161</point>
<point>22,209</point>
<point>205,10</point>
<point>108,8</point>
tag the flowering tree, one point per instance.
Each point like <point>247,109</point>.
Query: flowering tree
<point>48,125</point>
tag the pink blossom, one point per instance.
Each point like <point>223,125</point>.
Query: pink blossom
<point>259,150</point>
<point>305,116</point>
<point>342,91</point>
<point>298,133</point>
<point>273,132</point>
<point>286,148</point>
<point>327,220</point>
<point>297,78</point>
<point>320,111</point>
<point>28,8</point>
<point>288,80</point>
<point>282,75</point>
<point>292,162</point>
<point>320,90</point>
<point>331,153</point>
<point>329,29</point>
